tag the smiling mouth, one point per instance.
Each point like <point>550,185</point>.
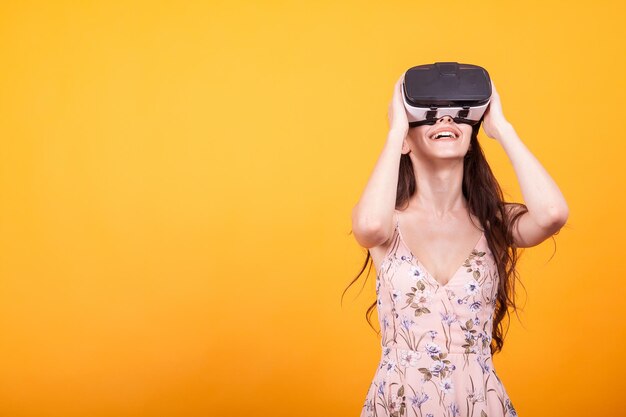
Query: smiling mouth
<point>445,135</point>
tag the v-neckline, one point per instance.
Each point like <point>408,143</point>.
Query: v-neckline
<point>421,266</point>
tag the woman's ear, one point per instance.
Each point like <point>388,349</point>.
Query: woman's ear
<point>405,148</point>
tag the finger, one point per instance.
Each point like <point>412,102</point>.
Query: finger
<point>399,85</point>
<point>400,81</point>
<point>493,87</point>
<point>398,92</point>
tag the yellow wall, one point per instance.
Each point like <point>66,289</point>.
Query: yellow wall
<point>176,182</point>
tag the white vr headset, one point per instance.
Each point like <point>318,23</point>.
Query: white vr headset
<point>432,91</point>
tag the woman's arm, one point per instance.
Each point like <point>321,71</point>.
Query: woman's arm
<point>372,217</point>
<point>547,209</point>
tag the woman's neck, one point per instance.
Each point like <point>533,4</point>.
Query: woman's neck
<point>439,192</point>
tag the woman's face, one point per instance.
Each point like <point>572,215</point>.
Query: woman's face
<point>428,140</point>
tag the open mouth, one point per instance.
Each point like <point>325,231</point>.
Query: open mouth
<point>444,135</point>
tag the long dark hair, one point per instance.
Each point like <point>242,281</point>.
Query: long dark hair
<point>485,201</point>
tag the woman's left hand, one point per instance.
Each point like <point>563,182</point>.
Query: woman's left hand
<point>494,122</point>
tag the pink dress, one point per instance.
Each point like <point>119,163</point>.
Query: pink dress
<point>436,360</point>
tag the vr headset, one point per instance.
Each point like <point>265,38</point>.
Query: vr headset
<point>432,91</point>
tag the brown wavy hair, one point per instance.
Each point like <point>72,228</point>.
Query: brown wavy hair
<point>485,201</point>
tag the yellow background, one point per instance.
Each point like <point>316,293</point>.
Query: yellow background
<point>177,178</point>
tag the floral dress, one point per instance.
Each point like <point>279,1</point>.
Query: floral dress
<point>436,360</point>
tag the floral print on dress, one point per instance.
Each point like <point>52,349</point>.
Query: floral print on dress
<point>435,339</point>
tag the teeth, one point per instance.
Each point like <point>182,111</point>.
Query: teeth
<point>444,133</point>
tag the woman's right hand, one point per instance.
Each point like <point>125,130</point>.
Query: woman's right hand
<point>398,120</point>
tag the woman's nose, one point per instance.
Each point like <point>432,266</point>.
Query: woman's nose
<point>447,119</point>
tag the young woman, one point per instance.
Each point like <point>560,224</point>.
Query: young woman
<point>444,245</point>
